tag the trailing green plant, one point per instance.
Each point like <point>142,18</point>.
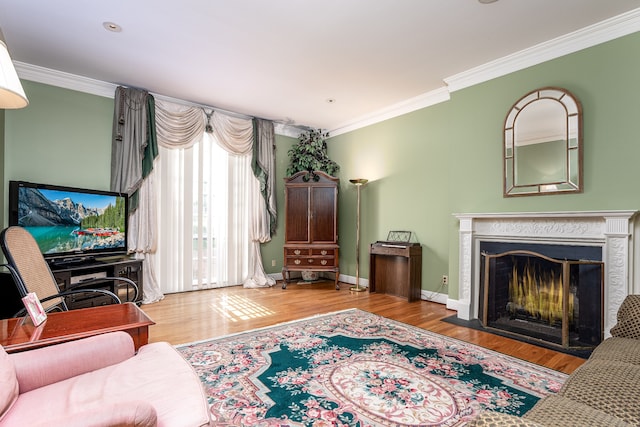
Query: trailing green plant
<point>310,154</point>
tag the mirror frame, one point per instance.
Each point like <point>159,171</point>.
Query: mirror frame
<point>573,121</point>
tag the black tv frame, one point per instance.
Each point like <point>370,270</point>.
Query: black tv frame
<point>76,256</point>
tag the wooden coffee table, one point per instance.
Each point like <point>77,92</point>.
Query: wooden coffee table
<point>19,334</point>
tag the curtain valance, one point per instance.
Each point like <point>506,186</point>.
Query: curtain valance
<point>178,126</point>
<point>232,133</point>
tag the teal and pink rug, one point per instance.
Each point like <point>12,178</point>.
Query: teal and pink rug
<point>354,368</point>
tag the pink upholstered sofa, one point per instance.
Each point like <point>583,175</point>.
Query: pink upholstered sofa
<point>100,381</point>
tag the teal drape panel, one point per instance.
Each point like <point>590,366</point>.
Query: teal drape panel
<point>263,165</point>
<point>151,149</point>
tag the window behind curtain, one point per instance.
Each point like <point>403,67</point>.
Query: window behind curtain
<point>203,210</point>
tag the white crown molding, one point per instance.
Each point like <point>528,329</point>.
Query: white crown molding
<point>287,130</point>
<point>65,80</point>
<point>607,30</point>
<point>105,89</point>
<point>610,29</point>
<point>416,103</point>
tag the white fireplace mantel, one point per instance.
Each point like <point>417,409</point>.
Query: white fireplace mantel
<point>610,230</point>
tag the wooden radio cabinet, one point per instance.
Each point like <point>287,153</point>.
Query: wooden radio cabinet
<point>396,269</point>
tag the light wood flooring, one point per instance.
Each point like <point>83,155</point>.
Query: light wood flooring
<point>192,316</point>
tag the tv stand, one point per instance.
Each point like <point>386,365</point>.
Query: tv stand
<point>73,271</point>
<point>62,262</point>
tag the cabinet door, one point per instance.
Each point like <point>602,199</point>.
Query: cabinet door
<point>297,215</point>
<point>323,221</point>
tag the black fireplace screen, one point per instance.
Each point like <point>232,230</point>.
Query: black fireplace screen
<point>530,294</point>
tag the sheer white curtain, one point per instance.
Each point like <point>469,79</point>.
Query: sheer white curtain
<point>143,228</point>
<point>206,197</point>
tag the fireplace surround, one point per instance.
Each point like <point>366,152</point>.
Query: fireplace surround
<point>610,232</point>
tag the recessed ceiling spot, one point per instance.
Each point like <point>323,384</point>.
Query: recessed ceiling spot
<point>331,101</point>
<point>487,1</point>
<point>112,26</point>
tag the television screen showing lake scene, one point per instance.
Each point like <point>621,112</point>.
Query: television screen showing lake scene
<point>72,221</point>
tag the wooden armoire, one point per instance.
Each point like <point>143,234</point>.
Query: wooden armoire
<point>311,224</point>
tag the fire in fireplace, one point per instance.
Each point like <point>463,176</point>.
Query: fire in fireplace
<point>536,292</point>
<point>526,293</point>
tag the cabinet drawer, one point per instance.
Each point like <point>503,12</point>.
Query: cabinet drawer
<point>314,252</point>
<point>297,252</point>
<point>324,262</point>
<point>310,263</point>
<point>319,261</point>
<point>323,252</point>
<point>311,258</point>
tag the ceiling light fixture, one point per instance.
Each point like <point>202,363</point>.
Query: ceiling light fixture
<point>112,26</point>
<point>331,101</point>
<point>11,93</point>
<point>487,1</point>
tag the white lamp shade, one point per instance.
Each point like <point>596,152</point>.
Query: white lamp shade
<point>11,92</point>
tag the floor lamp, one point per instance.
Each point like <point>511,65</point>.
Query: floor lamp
<point>358,183</point>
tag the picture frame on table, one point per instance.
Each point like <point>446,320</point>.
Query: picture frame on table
<point>34,308</point>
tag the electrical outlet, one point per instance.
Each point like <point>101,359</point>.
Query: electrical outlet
<point>445,280</point>
<point>273,263</point>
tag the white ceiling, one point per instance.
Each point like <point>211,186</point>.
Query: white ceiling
<point>284,59</point>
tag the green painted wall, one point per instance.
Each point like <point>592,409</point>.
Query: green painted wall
<point>446,159</point>
<point>62,137</point>
<point>423,166</point>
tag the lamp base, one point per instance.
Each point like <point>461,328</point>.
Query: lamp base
<point>357,289</point>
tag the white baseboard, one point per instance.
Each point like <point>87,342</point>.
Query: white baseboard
<point>436,297</point>
<point>433,296</point>
<point>460,306</point>
<point>352,280</point>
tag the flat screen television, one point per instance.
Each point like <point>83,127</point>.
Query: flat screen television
<point>70,224</point>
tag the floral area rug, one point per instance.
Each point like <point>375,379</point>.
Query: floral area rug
<point>354,368</point>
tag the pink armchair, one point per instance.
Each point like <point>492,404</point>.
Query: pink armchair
<point>100,381</point>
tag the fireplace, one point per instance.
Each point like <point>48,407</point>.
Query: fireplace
<point>550,293</point>
<point>609,233</point>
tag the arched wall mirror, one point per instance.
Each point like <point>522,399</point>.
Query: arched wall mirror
<point>543,144</point>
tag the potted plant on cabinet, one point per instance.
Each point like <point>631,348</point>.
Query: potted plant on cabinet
<point>310,155</point>
<point>307,159</point>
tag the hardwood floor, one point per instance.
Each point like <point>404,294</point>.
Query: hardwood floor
<point>193,316</point>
